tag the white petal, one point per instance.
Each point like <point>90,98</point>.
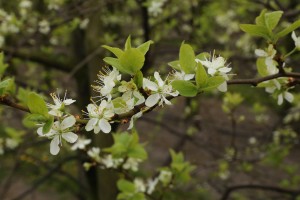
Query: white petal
<point>211,71</point>
<point>70,137</point>
<point>294,36</point>
<point>288,96</point>
<point>97,129</point>
<point>223,87</point>
<point>40,131</point>
<point>56,113</point>
<point>260,53</point>
<point>69,101</point>
<point>68,122</point>
<point>54,145</point>
<point>206,63</point>
<point>152,100</point>
<point>91,108</point>
<point>158,79</point>
<point>104,125</point>
<point>188,77</point>
<point>225,69</point>
<point>150,85</point>
<point>91,124</point>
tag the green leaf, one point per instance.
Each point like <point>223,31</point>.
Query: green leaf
<point>36,104</point>
<point>255,30</point>
<point>7,86</point>
<point>3,66</point>
<point>203,56</point>
<point>288,30</point>
<point>48,125</point>
<point>260,20</point>
<point>262,67</point>
<point>132,60</point>
<point>116,51</point>
<point>115,63</point>
<point>185,88</point>
<point>137,151</point>
<point>138,79</point>
<point>175,64</point>
<point>187,58</point>
<point>5,83</point>
<point>125,186</point>
<point>201,76</point>
<point>36,118</point>
<point>128,43</point>
<point>212,83</point>
<point>144,48</point>
<point>272,19</point>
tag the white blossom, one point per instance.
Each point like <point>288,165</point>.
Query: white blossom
<point>133,118</point>
<point>176,75</point>
<point>81,143</point>
<point>296,40</point>
<point>84,23</point>
<point>274,87</point>
<point>155,7</point>
<point>99,117</point>
<point>151,184</point>
<point>107,81</point>
<point>57,109</point>
<point>159,91</point>
<point>58,131</point>
<point>132,164</point>
<point>165,176</point>
<point>270,52</point>
<point>44,27</point>
<point>130,91</point>
<point>25,4</point>
<point>139,185</point>
<point>94,153</point>
<point>109,162</point>
<point>11,143</point>
<point>216,65</point>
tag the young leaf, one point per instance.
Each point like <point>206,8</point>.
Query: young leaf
<point>212,83</point>
<point>48,125</point>
<point>3,66</point>
<point>201,76</point>
<point>187,58</point>
<point>202,56</point>
<point>115,63</point>
<point>255,30</point>
<point>185,88</point>
<point>36,104</point>
<point>260,20</point>
<point>125,186</point>
<point>128,43</point>
<point>175,64</point>
<point>272,19</point>
<point>36,118</point>
<point>138,79</point>
<point>132,60</point>
<point>262,67</point>
<point>116,51</point>
<point>144,48</point>
<point>288,29</point>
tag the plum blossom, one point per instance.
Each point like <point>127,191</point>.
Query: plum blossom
<point>94,153</point>
<point>44,27</point>
<point>176,75</point>
<point>151,184</point>
<point>99,117</point>
<point>57,109</point>
<point>274,87</point>
<point>81,143</point>
<point>58,131</point>
<point>159,91</point>
<point>130,91</point>
<point>216,65</point>
<point>132,164</point>
<point>107,81</point>
<point>269,55</point>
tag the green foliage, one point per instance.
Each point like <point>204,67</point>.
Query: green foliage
<point>3,66</point>
<point>128,191</point>
<point>288,30</point>
<point>212,83</point>
<point>201,76</point>
<point>127,145</point>
<point>138,79</point>
<point>175,64</point>
<point>7,86</point>
<point>180,168</point>
<point>37,105</point>
<point>231,101</point>
<point>187,58</point>
<point>185,88</point>
<point>129,61</point>
<point>262,67</point>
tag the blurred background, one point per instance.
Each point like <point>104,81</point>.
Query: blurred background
<point>244,145</point>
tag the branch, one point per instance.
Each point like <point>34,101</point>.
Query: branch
<point>229,190</point>
<point>4,100</point>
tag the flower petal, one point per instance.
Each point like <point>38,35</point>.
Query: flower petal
<point>104,125</point>
<point>158,79</point>
<point>70,137</point>
<point>280,99</point>
<point>223,87</point>
<point>152,100</point>
<point>150,85</point>
<point>69,101</point>
<point>68,122</point>
<point>288,96</point>
<point>261,53</point>
<point>54,145</point>
<point>91,124</point>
